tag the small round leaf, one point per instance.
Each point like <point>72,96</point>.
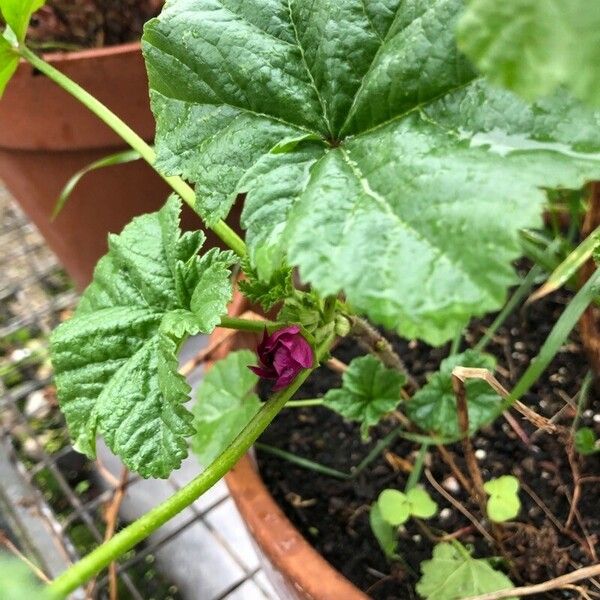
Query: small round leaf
<point>394,507</point>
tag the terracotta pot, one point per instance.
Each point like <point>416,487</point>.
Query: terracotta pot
<point>295,568</point>
<point>46,136</point>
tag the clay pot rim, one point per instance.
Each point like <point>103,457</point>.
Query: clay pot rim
<point>87,53</point>
<point>311,575</point>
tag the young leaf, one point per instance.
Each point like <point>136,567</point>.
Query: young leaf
<point>433,407</point>
<point>411,200</point>
<point>226,402</point>
<point>534,46</point>
<point>586,441</point>
<point>369,391</point>
<point>9,61</point>
<point>452,574</point>
<point>421,504</point>
<point>394,507</point>
<point>266,293</point>
<point>503,503</point>
<point>383,532</point>
<point>17,13</point>
<point>17,582</point>
<point>116,359</point>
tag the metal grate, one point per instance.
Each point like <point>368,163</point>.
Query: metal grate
<point>57,508</point>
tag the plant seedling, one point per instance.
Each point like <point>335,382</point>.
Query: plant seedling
<point>503,503</point>
<point>586,441</point>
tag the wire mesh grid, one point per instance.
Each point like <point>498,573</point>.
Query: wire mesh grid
<point>74,497</point>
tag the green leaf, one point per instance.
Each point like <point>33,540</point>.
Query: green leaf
<point>226,403</point>
<point>17,13</point>
<point>452,574</point>
<point>266,293</point>
<point>586,441</point>
<point>116,359</point>
<point>394,507</point>
<point>383,532</point>
<point>17,582</point>
<point>119,158</point>
<point>433,407</point>
<point>369,391</point>
<point>411,199</point>
<point>421,504</point>
<point>534,46</point>
<point>503,503</point>
<point>9,61</point>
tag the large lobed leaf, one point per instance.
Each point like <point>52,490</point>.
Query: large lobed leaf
<point>116,359</point>
<point>369,391</point>
<point>534,46</point>
<point>372,155</point>
<point>452,574</point>
<point>433,407</point>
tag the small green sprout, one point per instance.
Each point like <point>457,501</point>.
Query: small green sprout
<point>586,441</point>
<point>503,503</point>
<point>392,509</point>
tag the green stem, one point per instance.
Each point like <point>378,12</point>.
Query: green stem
<point>415,474</point>
<point>304,463</point>
<point>329,308</point>
<point>121,128</point>
<point>304,403</point>
<point>126,539</point>
<point>559,334</point>
<point>583,398</point>
<point>455,347</point>
<point>249,324</point>
<point>520,293</point>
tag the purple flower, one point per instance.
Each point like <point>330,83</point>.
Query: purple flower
<point>282,355</point>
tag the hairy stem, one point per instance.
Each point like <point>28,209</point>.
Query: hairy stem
<point>126,539</point>
<point>371,340</point>
<point>248,324</point>
<point>123,130</point>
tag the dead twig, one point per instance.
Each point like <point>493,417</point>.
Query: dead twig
<point>462,412</point>
<point>440,490</point>
<point>111,515</point>
<point>464,373</point>
<point>458,474</point>
<point>539,588</point>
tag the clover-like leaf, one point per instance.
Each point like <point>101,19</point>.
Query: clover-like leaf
<point>433,407</point>
<point>372,155</point>
<point>226,402</point>
<point>17,13</point>
<point>503,503</point>
<point>394,507</point>
<point>534,46</point>
<point>421,504</point>
<point>369,391</point>
<point>453,574</point>
<point>116,359</point>
<point>586,441</point>
<point>383,532</point>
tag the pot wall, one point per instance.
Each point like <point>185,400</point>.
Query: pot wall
<point>46,136</point>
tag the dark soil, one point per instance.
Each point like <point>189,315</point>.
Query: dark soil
<point>333,514</point>
<point>73,24</point>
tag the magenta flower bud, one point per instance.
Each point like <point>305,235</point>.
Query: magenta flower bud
<point>282,355</point>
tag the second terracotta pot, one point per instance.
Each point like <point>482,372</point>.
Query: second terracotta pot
<point>46,136</point>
